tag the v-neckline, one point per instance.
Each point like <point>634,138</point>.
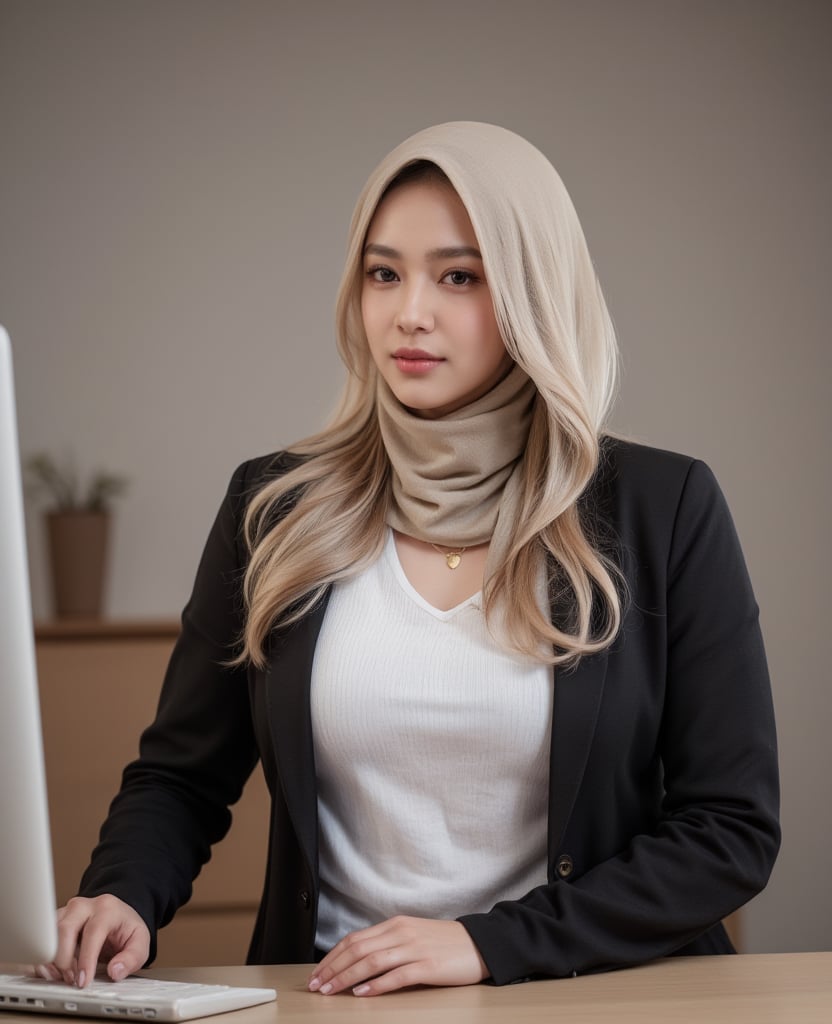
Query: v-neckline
<point>392,555</point>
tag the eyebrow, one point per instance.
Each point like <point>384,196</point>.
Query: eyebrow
<point>450,252</point>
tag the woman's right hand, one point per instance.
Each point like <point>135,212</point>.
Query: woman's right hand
<point>104,929</point>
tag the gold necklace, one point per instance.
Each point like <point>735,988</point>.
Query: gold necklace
<point>452,558</point>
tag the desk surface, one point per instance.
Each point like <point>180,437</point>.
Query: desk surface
<point>777,988</point>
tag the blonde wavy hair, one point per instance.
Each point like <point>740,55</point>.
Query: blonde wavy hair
<point>324,519</point>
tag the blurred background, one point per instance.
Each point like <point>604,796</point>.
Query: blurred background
<point>176,181</point>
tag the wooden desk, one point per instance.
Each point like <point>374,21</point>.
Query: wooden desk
<point>781,988</point>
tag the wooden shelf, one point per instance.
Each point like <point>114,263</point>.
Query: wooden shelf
<point>67,630</point>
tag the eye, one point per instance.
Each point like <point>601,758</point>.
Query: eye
<point>384,275</point>
<point>460,278</point>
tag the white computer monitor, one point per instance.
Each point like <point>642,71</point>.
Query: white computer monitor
<point>28,931</point>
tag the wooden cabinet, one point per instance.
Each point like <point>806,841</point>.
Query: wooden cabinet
<point>99,684</point>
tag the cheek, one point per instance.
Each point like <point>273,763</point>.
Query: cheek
<point>377,306</point>
<point>485,334</point>
<point>371,317</point>
<point>366,309</point>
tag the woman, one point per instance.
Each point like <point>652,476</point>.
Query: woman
<point>503,672</point>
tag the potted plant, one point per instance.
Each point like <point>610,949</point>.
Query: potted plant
<point>78,530</point>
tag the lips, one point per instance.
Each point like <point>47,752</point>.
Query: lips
<point>416,360</point>
<point>417,354</point>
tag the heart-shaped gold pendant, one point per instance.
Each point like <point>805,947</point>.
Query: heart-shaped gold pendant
<point>453,559</point>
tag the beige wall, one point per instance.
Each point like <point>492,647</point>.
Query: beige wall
<point>175,184</point>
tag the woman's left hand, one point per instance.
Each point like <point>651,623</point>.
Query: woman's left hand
<point>397,953</point>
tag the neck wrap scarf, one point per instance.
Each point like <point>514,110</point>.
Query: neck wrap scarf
<point>453,477</point>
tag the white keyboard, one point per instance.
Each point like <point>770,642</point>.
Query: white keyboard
<point>136,998</point>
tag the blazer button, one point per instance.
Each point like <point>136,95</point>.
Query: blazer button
<point>305,899</point>
<point>564,865</point>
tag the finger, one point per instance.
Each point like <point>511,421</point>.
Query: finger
<point>340,957</point>
<point>351,948</point>
<point>91,943</point>
<point>49,972</point>
<point>130,944</point>
<point>405,976</point>
<point>132,957</point>
<point>361,968</point>
<point>329,965</point>
<point>71,921</point>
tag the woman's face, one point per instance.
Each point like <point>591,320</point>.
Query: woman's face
<point>426,306</point>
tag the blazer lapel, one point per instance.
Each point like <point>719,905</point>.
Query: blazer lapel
<point>288,681</point>
<point>577,702</point>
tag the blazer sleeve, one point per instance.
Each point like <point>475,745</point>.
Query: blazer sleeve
<point>196,756</point>
<point>717,832</point>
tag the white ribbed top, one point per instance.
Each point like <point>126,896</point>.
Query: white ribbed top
<point>432,757</point>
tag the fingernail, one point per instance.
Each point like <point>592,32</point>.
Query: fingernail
<point>314,984</point>
<point>82,978</point>
<point>117,971</point>
<point>43,972</point>
<point>326,989</point>
<point>361,990</point>
<point>70,977</point>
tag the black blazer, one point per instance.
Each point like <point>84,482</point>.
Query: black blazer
<point>663,795</point>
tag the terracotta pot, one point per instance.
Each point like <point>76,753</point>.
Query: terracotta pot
<point>78,543</point>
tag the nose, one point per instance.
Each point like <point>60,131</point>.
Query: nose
<point>415,311</point>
